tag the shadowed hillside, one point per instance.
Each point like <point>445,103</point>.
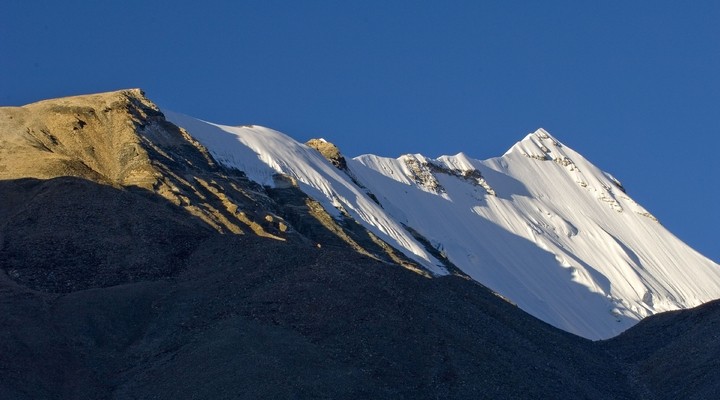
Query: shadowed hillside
<point>227,316</point>
<point>676,352</point>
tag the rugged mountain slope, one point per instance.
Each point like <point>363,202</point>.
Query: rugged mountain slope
<point>123,142</point>
<point>118,279</point>
<point>540,225</point>
<point>113,287</point>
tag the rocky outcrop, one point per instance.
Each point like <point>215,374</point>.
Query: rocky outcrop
<point>329,151</point>
<point>421,172</point>
<point>332,154</point>
<point>472,176</point>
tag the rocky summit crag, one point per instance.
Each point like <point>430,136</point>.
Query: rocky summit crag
<point>134,264</point>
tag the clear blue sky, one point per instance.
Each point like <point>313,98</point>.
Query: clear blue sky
<point>634,86</point>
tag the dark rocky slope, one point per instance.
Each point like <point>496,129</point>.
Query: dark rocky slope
<point>676,354</point>
<point>251,317</point>
<point>67,234</point>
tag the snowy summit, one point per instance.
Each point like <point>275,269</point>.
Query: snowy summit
<point>540,225</point>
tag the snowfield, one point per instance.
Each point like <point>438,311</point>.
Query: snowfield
<point>541,225</point>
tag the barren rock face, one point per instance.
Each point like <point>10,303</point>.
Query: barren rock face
<point>93,137</point>
<point>122,139</point>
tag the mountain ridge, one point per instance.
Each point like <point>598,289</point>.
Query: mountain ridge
<point>116,290</point>
<point>598,269</point>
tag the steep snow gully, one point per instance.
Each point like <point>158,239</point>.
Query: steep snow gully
<point>541,225</point>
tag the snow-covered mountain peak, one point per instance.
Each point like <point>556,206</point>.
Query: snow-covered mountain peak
<point>543,134</point>
<point>540,225</point>
<point>539,145</point>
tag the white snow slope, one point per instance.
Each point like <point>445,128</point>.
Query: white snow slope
<point>541,225</point>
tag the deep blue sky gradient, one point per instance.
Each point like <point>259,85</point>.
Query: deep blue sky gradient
<point>634,86</point>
